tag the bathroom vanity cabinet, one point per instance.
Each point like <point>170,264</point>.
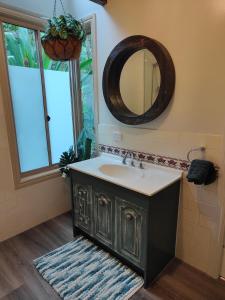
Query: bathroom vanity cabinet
<point>139,230</point>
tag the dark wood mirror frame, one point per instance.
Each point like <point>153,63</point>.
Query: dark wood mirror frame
<point>112,73</point>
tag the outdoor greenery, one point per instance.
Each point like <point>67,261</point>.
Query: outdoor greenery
<point>20,46</point>
<point>22,50</point>
<point>63,27</point>
<point>87,90</point>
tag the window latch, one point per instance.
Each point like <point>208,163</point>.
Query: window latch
<point>48,118</point>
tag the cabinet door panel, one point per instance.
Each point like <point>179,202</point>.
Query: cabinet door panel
<point>104,214</point>
<point>130,231</point>
<point>83,205</point>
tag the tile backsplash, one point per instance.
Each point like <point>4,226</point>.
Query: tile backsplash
<point>147,157</point>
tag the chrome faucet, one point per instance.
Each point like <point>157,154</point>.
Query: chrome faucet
<point>131,154</point>
<point>141,166</point>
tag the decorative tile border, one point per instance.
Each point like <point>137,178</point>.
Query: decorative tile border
<point>148,157</point>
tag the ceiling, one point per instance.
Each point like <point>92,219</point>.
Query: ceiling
<point>101,2</point>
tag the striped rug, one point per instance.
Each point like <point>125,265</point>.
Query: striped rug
<point>80,270</point>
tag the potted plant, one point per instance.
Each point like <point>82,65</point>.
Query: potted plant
<point>63,38</point>
<point>70,156</point>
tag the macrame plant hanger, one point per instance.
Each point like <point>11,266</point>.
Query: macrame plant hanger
<point>55,8</point>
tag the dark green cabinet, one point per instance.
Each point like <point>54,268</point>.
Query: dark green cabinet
<point>103,208</point>
<point>139,230</point>
<point>83,207</point>
<point>130,231</point>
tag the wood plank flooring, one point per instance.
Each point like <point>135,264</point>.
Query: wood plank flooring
<point>20,281</point>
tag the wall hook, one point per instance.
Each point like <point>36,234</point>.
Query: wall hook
<point>202,149</point>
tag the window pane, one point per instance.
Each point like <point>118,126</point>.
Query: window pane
<point>87,89</point>
<point>27,98</point>
<point>57,84</point>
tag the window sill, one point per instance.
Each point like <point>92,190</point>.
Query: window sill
<point>37,178</point>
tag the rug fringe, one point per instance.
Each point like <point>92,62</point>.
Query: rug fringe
<point>132,292</point>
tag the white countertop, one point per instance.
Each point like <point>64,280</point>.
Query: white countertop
<point>149,181</point>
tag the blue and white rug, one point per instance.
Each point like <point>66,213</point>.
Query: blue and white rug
<point>80,270</point>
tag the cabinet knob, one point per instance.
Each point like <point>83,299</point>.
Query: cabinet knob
<point>129,217</point>
<point>103,201</point>
<point>82,193</point>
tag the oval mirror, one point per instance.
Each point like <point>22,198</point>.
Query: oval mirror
<point>138,80</point>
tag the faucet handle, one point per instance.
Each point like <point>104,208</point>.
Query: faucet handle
<point>132,156</point>
<point>141,166</point>
<point>125,158</point>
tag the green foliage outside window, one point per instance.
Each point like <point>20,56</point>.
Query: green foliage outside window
<point>22,51</point>
<point>87,90</point>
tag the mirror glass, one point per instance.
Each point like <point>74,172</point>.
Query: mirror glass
<point>140,81</point>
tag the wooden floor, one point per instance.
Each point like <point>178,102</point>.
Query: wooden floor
<point>20,281</point>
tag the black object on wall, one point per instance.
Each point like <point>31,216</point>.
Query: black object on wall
<point>202,172</point>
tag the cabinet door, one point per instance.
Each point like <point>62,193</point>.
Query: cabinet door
<point>130,228</point>
<point>83,207</point>
<point>104,214</point>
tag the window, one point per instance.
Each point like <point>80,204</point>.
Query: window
<point>51,102</point>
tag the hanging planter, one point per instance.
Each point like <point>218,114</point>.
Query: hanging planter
<point>62,40</point>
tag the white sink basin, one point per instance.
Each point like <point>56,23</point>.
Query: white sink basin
<point>148,181</point>
<point>119,171</point>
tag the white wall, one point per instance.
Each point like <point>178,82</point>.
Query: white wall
<point>194,33</point>
<point>24,208</point>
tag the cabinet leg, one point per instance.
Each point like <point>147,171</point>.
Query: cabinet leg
<point>75,231</point>
<point>147,281</point>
